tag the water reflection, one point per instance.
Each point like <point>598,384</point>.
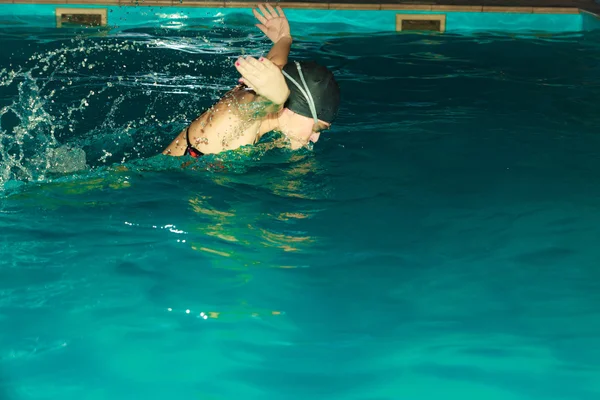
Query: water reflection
<point>262,210</point>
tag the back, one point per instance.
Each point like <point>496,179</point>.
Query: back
<point>231,123</point>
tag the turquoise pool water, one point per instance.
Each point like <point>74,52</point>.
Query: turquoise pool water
<point>440,242</point>
<point>305,21</point>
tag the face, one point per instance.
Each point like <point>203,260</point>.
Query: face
<point>303,129</point>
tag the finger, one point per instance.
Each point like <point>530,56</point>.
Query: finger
<point>272,11</point>
<point>265,62</point>
<point>259,17</point>
<point>246,82</point>
<point>266,13</point>
<point>281,13</point>
<point>245,61</point>
<point>246,73</point>
<point>249,64</point>
<point>258,65</point>
<point>246,69</point>
<point>262,28</point>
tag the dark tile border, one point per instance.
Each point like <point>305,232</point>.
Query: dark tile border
<point>421,6</point>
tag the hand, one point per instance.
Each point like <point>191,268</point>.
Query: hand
<point>275,26</point>
<point>264,77</point>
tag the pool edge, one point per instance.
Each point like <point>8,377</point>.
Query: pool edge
<point>315,6</point>
<point>460,18</point>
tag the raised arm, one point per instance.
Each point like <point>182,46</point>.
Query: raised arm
<point>237,118</point>
<point>274,24</point>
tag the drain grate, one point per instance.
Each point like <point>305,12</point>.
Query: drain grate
<point>421,22</point>
<point>80,17</point>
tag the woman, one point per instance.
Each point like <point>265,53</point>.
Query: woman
<point>298,99</point>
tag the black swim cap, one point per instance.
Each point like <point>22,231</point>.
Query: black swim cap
<point>322,86</point>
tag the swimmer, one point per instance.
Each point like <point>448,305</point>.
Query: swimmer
<point>299,99</point>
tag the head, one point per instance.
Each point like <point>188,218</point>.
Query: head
<point>298,113</point>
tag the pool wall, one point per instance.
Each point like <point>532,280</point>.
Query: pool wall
<point>318,19</point>
<point>591,22</point>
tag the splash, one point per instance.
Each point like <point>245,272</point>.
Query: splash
<point>30,128</point>
<point>69,103</point>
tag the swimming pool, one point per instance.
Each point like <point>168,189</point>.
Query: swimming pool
<point>308,19</point>
<point>439,242</point>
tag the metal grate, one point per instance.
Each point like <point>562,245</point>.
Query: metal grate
<point>421,22</point>
<point>421,25</point>
<point>80,17</point>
